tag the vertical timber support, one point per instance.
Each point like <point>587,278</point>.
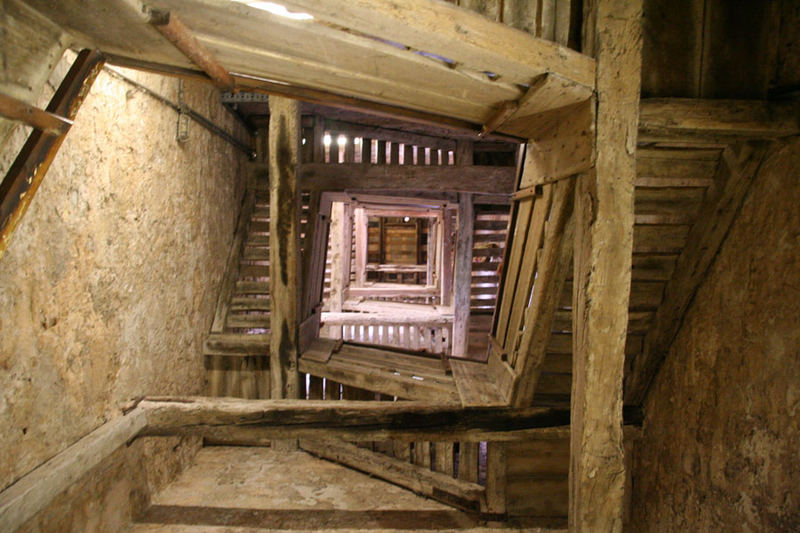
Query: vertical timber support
<point>284,245</point>
<point>29,168</point>
<point>360,228</point>
<point>463,275</point>
<point>603,256</point>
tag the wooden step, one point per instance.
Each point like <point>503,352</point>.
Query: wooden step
<point>247,321</point>
<point>243,304</point>
<point>252,287</point>
<point>236,344</point>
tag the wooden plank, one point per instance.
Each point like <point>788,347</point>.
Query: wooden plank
<point>360,230</point>
<point>530,250</point>
<point>462,282</point>
<point>444,458</point>
<point>395,136</point>
<point>406,177</point>
<point>671,119</point>
<point>349,420</point>
<point>516,240</point>
<point>382,380</point>
<point>496,478</point>
<point>49,123</point>
<point>552,272</point>
<point>736,174</point>
<point>37,489</point>
<point>464,37</point>
<point>474,384</point>
<point>560,144</point>
<point>284,250</point>
<point>602,257</point>
<point>468,461</point>
<point>29,168</point>
<point>436,485</point>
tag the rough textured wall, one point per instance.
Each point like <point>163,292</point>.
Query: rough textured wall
<point>721,439</point>
<point>110,282</point>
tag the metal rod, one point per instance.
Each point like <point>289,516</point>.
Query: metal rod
<point>194,115</point>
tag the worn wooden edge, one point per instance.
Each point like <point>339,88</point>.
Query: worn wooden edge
<point>37,489</point>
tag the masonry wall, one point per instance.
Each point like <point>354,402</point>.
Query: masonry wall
<point>109,286</point>
<point>720,449</point>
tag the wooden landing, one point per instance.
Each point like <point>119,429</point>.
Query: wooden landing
<point>390,372</point>
<point>474,384</point>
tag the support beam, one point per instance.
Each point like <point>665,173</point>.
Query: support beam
<point>698,120</point>
<point>603,257</point>
<point>360,230</point>
<point>176,32</point>
<point>284,245</point>
<point>254,420</point>
<point>463,274</point>
<point>14,109</point>
<point>735,175</point>
<point>421,480</point>
<point>471,41</point>
<point>29,168</point>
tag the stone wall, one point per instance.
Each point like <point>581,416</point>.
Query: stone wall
<point>110,284</point>
<point>721,445</point>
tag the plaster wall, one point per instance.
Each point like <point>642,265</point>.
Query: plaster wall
<point>110,284</point>
<point>722,421</point>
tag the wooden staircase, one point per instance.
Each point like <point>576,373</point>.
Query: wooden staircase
<point>236,350</point>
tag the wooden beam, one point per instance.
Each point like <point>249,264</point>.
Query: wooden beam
<point>560,144</point>
<point>176,32</point>
<point>250,420</point>
<point>603,258</point>
<point>29,168</point>
<point>360,229</point>
<point>36,490</point>
<point>472,42</point>
<point>462,282</point>
<point>391,289</point>
<point>14,109</point>
<point>687,119</point>
<point>284,245</point>
<point>735,176</point>
<point>423,481</point>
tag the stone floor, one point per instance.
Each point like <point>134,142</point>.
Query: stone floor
<point>248,490</point>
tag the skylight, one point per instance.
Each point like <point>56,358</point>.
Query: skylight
<point>276,9</point>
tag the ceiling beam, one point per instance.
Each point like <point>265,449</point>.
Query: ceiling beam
<point>694,119</point>
<point>462,37</point>
<point>452,178</point>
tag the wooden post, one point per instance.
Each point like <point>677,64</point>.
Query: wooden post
<point>603,257</point>
<point>318,148</point>
<point>360,228</point>
<point>463,275</point>
<point>447,259</point>
<point>464,155</point>
<point>381,159</point>
<point>28,170</point>
<point>284,245</point>
<point>338,249</point>
<point>496,477</point>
